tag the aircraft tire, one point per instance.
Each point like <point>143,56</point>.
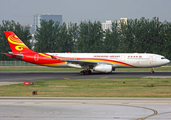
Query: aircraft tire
<point>82,72</point>
<point>151,71</point>
<point>86,72</point>
<point>89,71</point>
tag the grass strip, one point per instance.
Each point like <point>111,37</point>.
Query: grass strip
<point>128,87</point>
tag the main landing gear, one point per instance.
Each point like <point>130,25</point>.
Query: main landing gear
<point>85,72</point>
<point>152,71</point>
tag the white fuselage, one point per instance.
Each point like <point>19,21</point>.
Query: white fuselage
<point>117,60</point>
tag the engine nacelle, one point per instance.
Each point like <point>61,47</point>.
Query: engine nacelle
<point>103,68</point>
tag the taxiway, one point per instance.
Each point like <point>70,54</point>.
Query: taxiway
<point>57,108</point>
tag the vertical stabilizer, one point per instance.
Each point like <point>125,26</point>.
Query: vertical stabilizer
<point>17,46</point>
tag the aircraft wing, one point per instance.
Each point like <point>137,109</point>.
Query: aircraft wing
<point>80,62</point>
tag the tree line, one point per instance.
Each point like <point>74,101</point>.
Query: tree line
<point>131,36</point>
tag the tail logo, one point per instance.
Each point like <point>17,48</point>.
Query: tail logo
<point>16,41</point>
<point>19,48</point>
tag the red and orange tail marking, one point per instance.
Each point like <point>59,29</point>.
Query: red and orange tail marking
<point>17,46</point>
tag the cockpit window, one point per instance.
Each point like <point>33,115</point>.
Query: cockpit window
<point>163,58</point>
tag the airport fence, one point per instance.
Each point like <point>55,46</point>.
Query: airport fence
<point>16,63</point>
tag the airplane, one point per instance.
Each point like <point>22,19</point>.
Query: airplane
<point>100,62</point>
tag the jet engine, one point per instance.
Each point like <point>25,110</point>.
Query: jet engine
<point>103,68</point>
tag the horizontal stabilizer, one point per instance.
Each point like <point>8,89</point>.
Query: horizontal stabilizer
<point>19,56</point>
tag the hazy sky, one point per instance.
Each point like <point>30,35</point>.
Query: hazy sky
<point>22,11</point>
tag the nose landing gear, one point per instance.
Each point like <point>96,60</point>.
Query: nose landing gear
<point>152,71</point>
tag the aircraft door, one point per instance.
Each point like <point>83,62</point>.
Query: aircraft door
<point>123,58</point>
<point>154,58</point>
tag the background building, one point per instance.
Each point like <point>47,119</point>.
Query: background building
<point>107,25</point>
<point>39,17</point>
<point>124,20</point>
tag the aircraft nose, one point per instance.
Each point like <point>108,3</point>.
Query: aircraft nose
<point>167,61</point>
